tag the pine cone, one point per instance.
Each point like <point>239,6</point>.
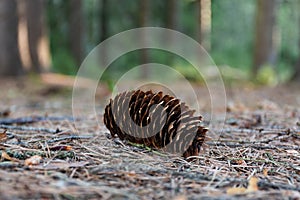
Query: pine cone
<point>155,120</point>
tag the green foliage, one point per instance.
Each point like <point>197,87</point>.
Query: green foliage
<point>232,32</point>
<point>267,75</point>
<point>232,36</point>
<point>288,34</point>
<point>284,72</point>
<point>188,71</point>
<point>57,17</point>
<point>63,62</point>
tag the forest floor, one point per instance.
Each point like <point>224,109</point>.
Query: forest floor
<point>257,154</point>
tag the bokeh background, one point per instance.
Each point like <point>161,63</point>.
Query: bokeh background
<point>251,41</point>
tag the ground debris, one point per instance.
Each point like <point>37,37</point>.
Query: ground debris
<point>82,163</point>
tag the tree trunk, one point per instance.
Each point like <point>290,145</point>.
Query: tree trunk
<point>171,23</point>
<point>104,20</point>
<point>76,30</point>
<point>37,35</point>
<point>23,36</point>
<point>204,14</point>
<point>172,14</point>
<point>104,12</point>
<point>264,43</point>
<point>10,63</point>
<point>143,18</point>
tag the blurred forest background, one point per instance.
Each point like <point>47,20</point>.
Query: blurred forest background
<point>249,40</point>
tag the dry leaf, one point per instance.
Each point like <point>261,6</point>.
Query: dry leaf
<point>3,136</point>
<point>252,187</point>
<point>236,190</point>
<point>241,162</point>
<point>4,155</point>
<point>180,197</point>
<point>33,160</point>
<point>265,171</point>
<point>131,174</point>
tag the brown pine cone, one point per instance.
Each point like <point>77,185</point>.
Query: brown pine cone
<point>155,120</point>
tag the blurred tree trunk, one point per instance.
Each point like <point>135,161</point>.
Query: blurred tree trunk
<point>143,20</point>
<point>104,12</point>
<point>37,35</point>
<point>104,20</point>
<point>264,34</point>
<point>33,36</point>
<point>172,14</point>
<point>10,62</point>
<point>204,18</point>
<point>76,30</point>
<point>23,35</point>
